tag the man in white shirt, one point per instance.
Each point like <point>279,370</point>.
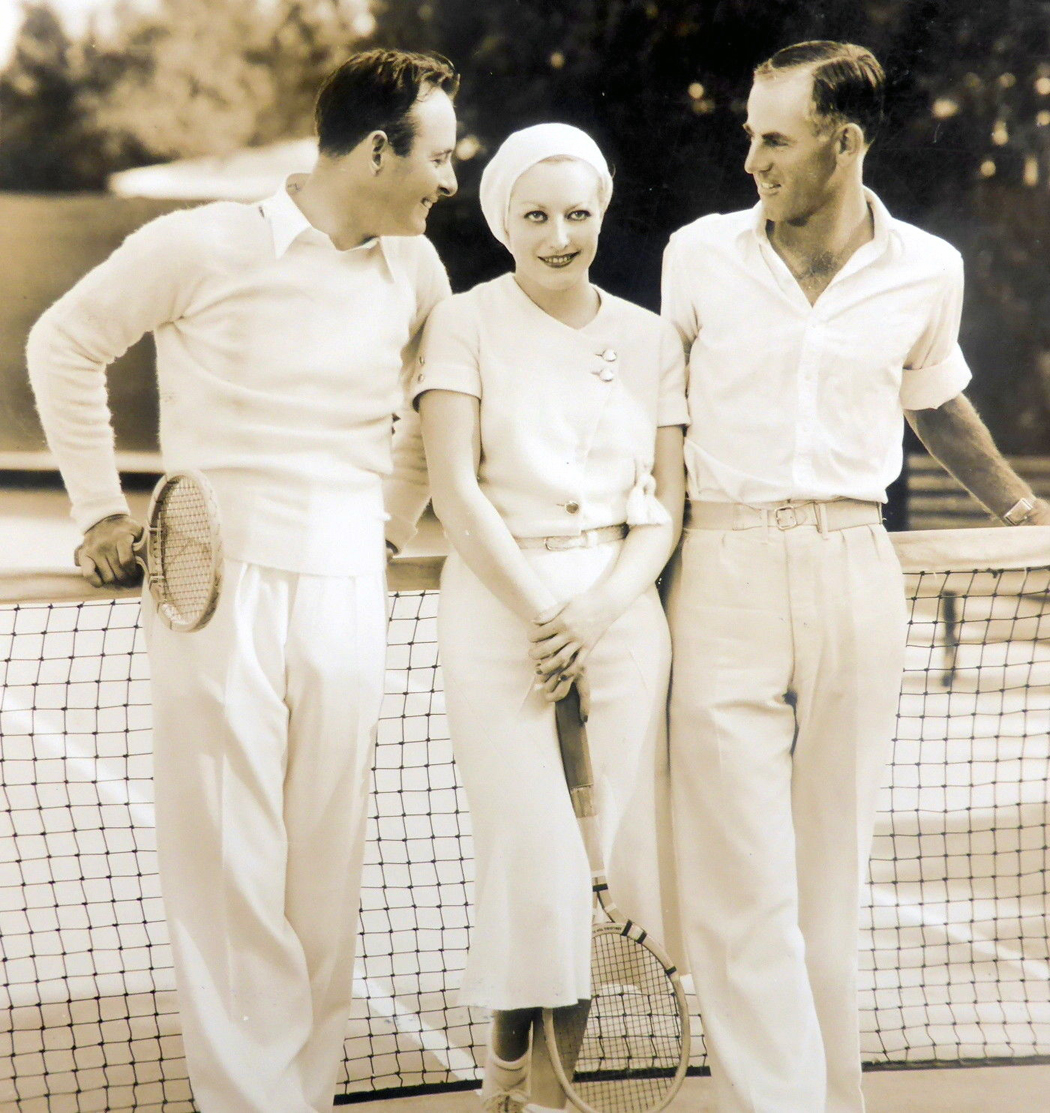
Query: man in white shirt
<point>282,332</point>
<point>814,324</point>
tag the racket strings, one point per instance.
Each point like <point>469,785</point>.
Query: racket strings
<point>183,551</point>
<point>631,1040</point>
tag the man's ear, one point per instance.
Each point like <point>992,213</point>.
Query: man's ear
<point>851,140</point>
<point>378,145</point>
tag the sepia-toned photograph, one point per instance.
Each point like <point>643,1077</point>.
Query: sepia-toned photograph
<point>524,556</point>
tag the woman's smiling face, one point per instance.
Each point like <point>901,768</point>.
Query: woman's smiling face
<point>553,223</point>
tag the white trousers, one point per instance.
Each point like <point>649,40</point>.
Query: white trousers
<point>264,727</point>
<point>788,653</point>
<point>531,942</point>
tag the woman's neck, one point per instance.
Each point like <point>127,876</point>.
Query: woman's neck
<point>575,306</point>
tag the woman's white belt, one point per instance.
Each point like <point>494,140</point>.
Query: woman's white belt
<point>585,539</point>
<point>830,515</point>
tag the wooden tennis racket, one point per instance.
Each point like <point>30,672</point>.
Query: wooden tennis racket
<point>629,1051</point>
<point>180,550</point>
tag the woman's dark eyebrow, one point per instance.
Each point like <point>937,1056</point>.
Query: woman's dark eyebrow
<point>540,205</point>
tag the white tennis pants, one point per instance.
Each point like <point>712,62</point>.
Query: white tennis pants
<point>264,726</point>
<point>788,653</point>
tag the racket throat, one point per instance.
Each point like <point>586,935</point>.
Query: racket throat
<point>603,899</point>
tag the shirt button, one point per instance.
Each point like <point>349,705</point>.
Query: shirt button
<point>609,355</point>
<point>572,507</point>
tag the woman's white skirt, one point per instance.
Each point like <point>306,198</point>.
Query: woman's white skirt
<point>533,906</point>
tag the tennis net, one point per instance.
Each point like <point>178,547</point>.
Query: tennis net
<point>955,946</point>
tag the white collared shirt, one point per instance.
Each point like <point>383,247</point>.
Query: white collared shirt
<point>279,362</point>
<point>568,415</point>
<point>789,400</point>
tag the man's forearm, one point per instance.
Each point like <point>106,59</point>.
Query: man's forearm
<point>70,392</point>
<point>406,491</point>
<point>147,281</point>
<point>956,436</point>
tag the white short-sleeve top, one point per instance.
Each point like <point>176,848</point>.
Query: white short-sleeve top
<point>568,416</point>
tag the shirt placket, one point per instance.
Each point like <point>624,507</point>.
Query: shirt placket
<point>808,372</point>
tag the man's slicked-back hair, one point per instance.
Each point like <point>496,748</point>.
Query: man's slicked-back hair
<point>375,91</point>
<point>848,82</point>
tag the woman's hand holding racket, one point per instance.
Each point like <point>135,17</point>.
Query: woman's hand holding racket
<point>563,637</point>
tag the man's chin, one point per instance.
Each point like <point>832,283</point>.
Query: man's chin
<point>411,224</point>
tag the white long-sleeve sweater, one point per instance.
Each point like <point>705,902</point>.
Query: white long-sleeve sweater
<point>280,362</point>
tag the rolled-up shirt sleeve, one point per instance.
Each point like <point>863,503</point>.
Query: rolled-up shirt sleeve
<point>936,369</point>
<point>406,491</point>
<point>146,282</point>
<point>672,408</point>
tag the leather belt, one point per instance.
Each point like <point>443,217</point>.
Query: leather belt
<point>831,515</point>
<point>586,539</point>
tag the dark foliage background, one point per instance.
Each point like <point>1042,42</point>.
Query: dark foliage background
<point>965,151</point>
<point>662,85</point>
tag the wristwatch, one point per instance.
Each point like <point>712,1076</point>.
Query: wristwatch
<point>1019,513</point>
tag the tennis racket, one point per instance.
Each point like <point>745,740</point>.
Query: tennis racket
<point>180,550</point>
<point>629,1051</point>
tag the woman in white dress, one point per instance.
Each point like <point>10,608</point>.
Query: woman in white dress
<point>552,416</point>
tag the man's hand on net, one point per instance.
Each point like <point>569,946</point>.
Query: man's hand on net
<point>106,556</point>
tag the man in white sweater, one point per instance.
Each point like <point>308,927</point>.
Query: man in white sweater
<point>282,331</point>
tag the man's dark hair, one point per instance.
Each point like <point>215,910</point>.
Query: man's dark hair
<point>848,82</point>
<point>375,91</point>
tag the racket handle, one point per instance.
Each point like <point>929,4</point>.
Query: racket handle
<point>140,550</point>
<point>592,845</point>
<point>575,753</point>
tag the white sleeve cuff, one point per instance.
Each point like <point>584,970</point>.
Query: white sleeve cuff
<point>673,410</point>
<point>87,514</point>
<point>926,388</point>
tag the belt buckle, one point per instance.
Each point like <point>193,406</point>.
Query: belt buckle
<point>784,523</point>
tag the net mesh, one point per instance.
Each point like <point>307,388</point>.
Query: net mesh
<point>629,1041</point>
<point>955,944</point>
<point>955,947</point>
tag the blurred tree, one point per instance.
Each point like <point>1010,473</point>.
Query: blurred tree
<point>46,138</point>
<point>210,76</point>
<point>308,39</point>
<point>171,79</point>
<point>662,84</point>
<point>195,78</point>
<point>983,100</point>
